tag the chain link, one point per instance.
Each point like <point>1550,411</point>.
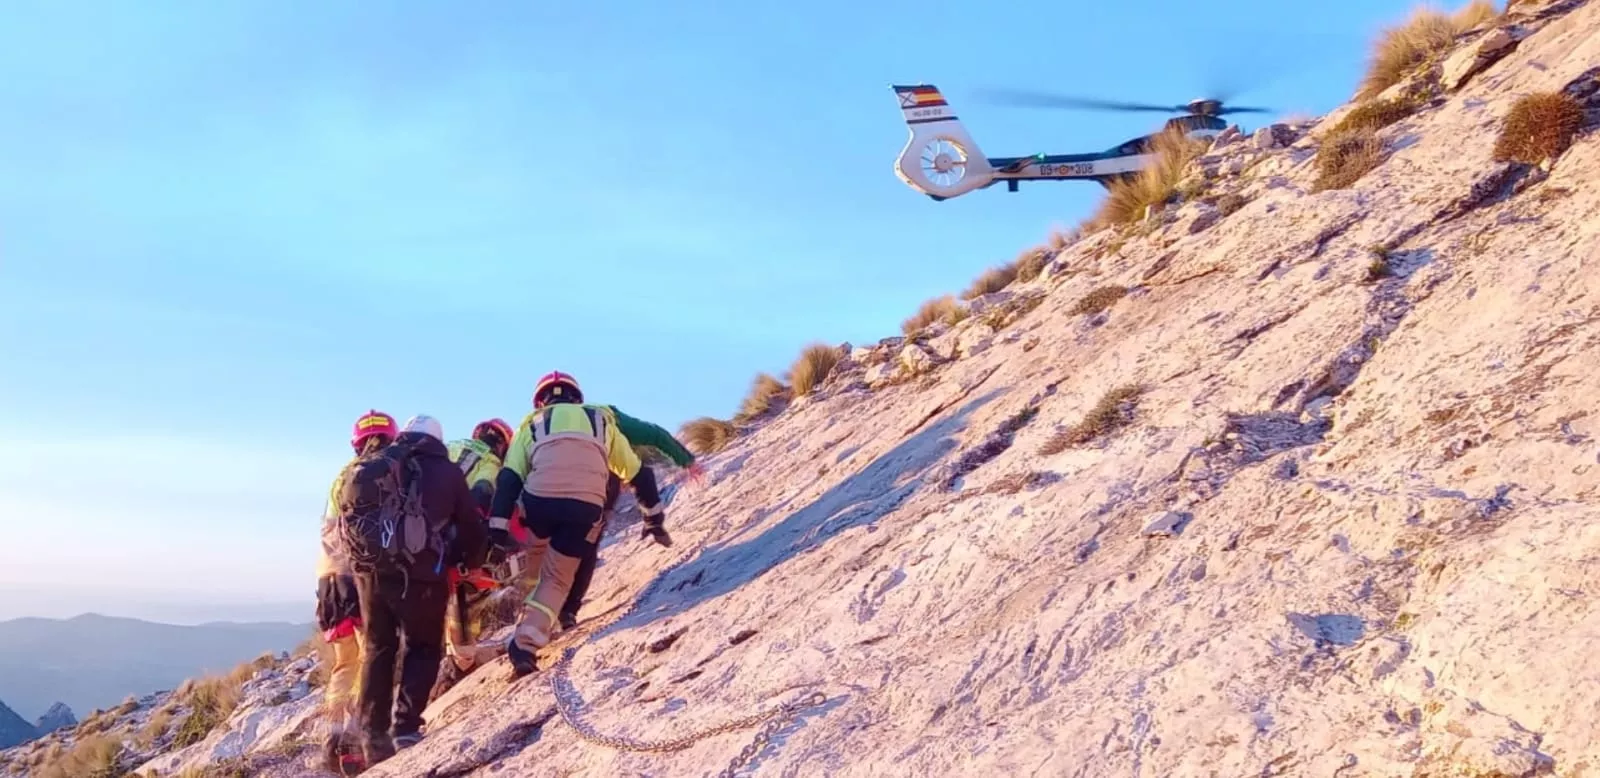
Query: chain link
<point>775,717</point>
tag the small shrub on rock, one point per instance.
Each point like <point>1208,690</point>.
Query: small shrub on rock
<point>812,367</point>
<point>993,280</point>
<point>1345,157</point>
<point>1404,48</point>
<point>1374,115</point>
<point>1539,127</point>
<point>764,391</point>
<point>1115,410</point>
<point>1099,300</point>
<point>1473,14</point>
<point>706,435</point>
<point>940,309</point>
<point>97,756</point>
<point>1031,264</point>
<point>1128,198</point>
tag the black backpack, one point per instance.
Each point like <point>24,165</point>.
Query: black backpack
<point>381,521</point>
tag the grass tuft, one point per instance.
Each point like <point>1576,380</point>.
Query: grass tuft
<point>992,280</point>
<point>1473,14</point>
<point>1115,410</point>
<point>706,435</point>
<point>1539,127</point>
<point>940,309</point>
<point>1345,157</point>
<point>1128,198</point>
<point>811,368</point>
<point>1403,48</point>
<point>97,756</point>
<point>1031,263</point>
<point>1099,300</point>
<point>764,391</point>
<point>1061,239</point>
<point>1374,115</point>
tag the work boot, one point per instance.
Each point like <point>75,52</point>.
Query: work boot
<point>522,662</point>
<point>569,621</point>
<point>341,755</point>
<point>407,740</point>
<point>378,748</point>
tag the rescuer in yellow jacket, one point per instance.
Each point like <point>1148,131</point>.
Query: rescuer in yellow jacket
<point>560,459</point>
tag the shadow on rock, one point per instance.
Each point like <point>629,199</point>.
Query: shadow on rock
<point>1336,629</point>
<point>860,499</point>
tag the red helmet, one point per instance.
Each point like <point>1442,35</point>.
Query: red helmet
<point>497,426</point>
<point>373,423</point>
<point>496,433</point>
<point>556,385</point>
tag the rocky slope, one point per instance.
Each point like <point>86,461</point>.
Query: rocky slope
<point>1278,482</point>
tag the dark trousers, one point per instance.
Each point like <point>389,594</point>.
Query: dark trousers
<point>403,617</point>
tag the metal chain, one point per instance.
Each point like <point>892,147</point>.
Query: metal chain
<point>777,717</point>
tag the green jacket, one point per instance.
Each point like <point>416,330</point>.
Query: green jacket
<point>643,433</point>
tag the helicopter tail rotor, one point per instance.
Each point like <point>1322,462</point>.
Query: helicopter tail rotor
<point>939,159</point>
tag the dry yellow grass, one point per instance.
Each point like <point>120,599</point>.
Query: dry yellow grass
<point>1538,127</point>
<point>1060,239</point>
<point>940,309</point>
<point>1031,263</point>
<point>811,368</point>
<point>992,280</point>
<point>1374,115</point>
<point>1115,410</point>
<point>1473,14</point>
<point>1345,157</point>
<point>706,435</point>
<point>1403,48</point>
<point>212,699</point>
<point>1128,198</point>
<point>764,391</point>
<point>97,756</point>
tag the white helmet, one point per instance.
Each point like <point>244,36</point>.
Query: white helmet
<point>426,425</point>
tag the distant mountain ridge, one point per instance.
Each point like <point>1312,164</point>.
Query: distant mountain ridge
<point>13,728</point>
<point>93,661</point>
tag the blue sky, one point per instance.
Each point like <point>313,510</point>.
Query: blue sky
<point>226,229</point>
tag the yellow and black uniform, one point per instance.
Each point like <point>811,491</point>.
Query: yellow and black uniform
<point>559,462</point>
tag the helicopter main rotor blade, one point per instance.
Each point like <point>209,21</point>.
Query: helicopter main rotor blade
<point>1232,109</point>
<point>1048,100</point>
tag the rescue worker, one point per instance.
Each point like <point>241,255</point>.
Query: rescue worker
<point>339,613</point>
<point>479,458</point>
<point>560,459</point>
<point>405,608</point>
<point>639,433</point>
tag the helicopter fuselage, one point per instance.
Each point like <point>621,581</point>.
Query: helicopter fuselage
<point>950,163</point>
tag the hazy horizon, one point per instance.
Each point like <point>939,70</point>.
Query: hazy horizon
<point>176,607</point>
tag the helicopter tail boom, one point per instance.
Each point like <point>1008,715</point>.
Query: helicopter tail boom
<point>940,159</point>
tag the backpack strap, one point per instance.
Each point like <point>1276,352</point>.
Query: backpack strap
<point>469,459</point>
<point>565,421</point>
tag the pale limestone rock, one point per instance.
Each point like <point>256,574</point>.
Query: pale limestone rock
<point>1471,59</point>
<point>916,360</point>
<point>974,340</point>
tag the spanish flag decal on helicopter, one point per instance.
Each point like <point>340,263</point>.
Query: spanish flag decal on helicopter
<point>919,97</point>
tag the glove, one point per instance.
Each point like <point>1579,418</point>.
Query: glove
<point>500,535</point>
<point>696,474</point>
<point>654,530</point>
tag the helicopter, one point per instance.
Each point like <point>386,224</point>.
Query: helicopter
<point>942,161</point>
